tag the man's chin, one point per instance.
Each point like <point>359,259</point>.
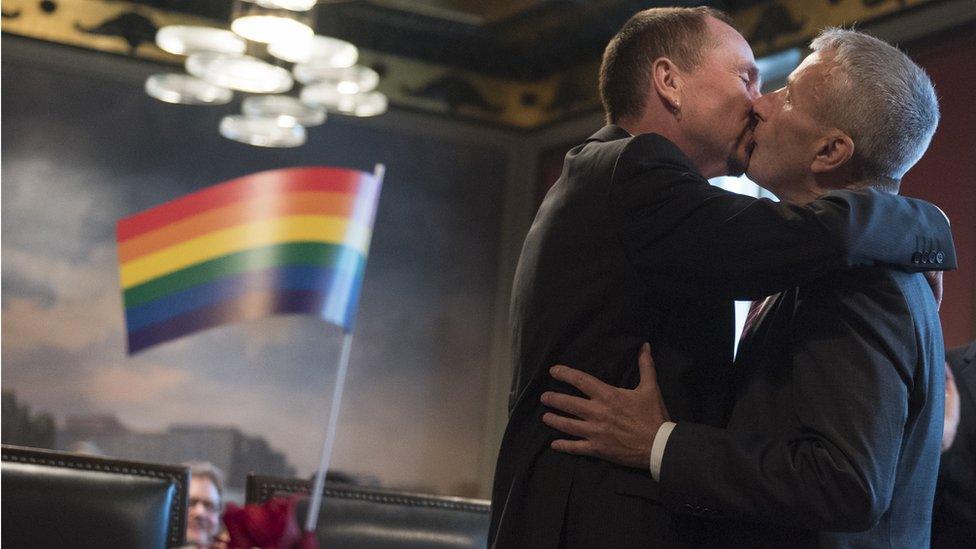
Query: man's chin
<point>736,167</point>
<point>197,536</point>
<point>757,177</point>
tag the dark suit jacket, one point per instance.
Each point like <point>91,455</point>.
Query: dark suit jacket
<point>835,433</point>
<point>954,516</point>
<point>631,244</point>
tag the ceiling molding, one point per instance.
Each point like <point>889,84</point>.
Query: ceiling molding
<point>452,89</point>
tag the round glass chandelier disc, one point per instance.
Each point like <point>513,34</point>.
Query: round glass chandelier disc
<point>358,104</point>
<point>269,29</point>
<point>348,80</point>
<point>287,110</point>
<point>242,73</point>
<point>294,5</point>
<point>186,90</point>
<point>188,39</point>
<point>320,49</point>
<point>261,132</point>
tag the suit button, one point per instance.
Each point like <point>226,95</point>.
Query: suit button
<point>940,257</point>
<point>916,257</point>
<point>932,256</point>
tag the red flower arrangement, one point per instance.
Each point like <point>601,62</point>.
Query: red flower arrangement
<point>271,525</point>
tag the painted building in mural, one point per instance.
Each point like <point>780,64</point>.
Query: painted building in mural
<point>227,447</point>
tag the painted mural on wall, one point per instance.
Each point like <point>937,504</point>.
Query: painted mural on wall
<point>81,151</point>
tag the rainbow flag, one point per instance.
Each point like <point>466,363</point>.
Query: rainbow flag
<point>283,241</point>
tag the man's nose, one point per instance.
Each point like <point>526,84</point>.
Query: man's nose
<point>753,120</point>
<point>759,106</point>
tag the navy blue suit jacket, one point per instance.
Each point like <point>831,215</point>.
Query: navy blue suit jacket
<point>835,434</point>
<point>632,244</point>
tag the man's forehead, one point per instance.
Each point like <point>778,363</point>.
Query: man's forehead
<point>729,44</point>
<point>202,484</point>
<point>816,66</point>
<point>807,62</point>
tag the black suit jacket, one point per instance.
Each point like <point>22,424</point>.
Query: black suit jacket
<point>954,516</point>
<point>835,433</point>
<point>630,245</point>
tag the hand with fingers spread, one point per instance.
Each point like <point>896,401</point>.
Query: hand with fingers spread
<point>614,424</point>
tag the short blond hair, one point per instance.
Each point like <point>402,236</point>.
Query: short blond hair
<point>679,34</point>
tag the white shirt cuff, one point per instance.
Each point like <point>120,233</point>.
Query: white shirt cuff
<point>657,449</point>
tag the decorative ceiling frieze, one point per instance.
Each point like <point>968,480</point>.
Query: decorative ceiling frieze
<point>432,80</point>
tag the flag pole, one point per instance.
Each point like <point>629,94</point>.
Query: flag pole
<point>317,488</point>
<point>330,432</point>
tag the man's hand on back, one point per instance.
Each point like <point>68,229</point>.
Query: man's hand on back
<point>614,424</point>
<point>951,424</point>
<point>935,281</point>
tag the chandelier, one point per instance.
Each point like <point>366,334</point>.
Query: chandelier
<point>269,48</point>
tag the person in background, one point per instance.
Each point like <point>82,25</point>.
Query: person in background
<point>85,447</point>
<point>954,513</point>
<point>205,504</point>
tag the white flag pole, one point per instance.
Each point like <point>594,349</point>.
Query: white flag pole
<point>330,432</point>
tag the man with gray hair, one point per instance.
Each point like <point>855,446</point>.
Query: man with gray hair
<point>204,504</point>
<point>834,437</point>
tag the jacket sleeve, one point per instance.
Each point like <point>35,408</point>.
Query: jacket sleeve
<point>831,464</point>
<point>678,229</point>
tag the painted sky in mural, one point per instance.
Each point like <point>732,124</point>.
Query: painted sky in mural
<point>413,411</point>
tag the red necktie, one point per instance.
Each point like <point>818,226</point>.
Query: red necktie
<point>755,311</point>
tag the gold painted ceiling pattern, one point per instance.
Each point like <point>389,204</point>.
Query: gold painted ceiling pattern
<point>520,64</point>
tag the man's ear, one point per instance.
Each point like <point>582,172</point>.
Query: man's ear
<point>666,82</point>
<point>834,150</point>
